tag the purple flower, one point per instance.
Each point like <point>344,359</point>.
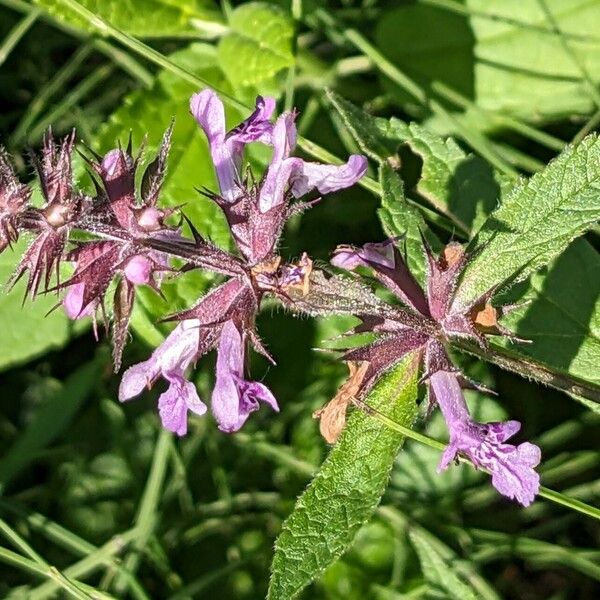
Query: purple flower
<point>389,267</point>
<point>227,148</point>
<point>374,253</point>
<point>257,213</point>
<point>234,398</point>
<point>170,360</point>
<point>511,467</point>
<point>428,323</point>
<point>293,174</point>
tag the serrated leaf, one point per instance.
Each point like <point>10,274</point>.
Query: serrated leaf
<point>563,320</point>
<point>497,62</point>
<point>438,572</point>
<point>347,488</point>
<point>26,331</point>
<point>144,18</point>
<point>535,222</point>
<point>461,186</point>
<point>258,46</point>
<point>399,218</point>
<point>189,165</point>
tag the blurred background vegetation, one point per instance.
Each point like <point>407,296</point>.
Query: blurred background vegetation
<point>94,489</point>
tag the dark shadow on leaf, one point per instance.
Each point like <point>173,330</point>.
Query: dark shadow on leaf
<point>474,193</point>
<point>560,319</point>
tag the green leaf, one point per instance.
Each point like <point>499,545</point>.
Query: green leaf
<point>347,488</point>
<point>49,422</point>
<point>461,186</point>
<point>535,222</point>
<point>437,571</point>
<point>399,218</point>
<point>189,166</point>
<point>562,321</point>
<point>26,330</point>
<point>497,62</point>
<point>258,46</point>
<point>145,18</point>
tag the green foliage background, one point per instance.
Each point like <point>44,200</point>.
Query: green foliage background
<point>97,502</point>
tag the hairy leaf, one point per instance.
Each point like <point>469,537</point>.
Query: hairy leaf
<point>145,18</point>
<point>535,222</point>
<point>347,488</point>
<point>461,186</point>
<point>26,331</point>
<point>258,46</point>
<point>399,218</point>
<point>563,319</point>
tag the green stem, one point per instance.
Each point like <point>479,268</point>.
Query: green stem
<point>499,119</point>
<point>16,34</point>
<point>66,539</point>
<point>91,563</point>
<point>20,544</point>
<point>588,127</point>
<point>34,568</point>
<point>553,496</point>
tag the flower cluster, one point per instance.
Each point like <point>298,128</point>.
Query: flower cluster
<point>426,322</point>
<point>130,240</point>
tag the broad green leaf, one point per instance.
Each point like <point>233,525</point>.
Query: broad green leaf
<point>535,221</point>
<point>26,331</point>
<point>437,571</point>
<point>563,319</point>
<point>347,488</point>
<point>49,421</point>
<point>145,18</point>
<point>515,63</point>
<point>189,166</point>
<point>258,46</point>
<point>459,185</point>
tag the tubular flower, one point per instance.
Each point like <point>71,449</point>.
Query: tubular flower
<point>234,398</point>
<point>424,324</point>
<point>256,214</point>
<point>512,467</point>
<point>170,361</point>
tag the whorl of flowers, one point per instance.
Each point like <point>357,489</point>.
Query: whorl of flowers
<point>130,241</point>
